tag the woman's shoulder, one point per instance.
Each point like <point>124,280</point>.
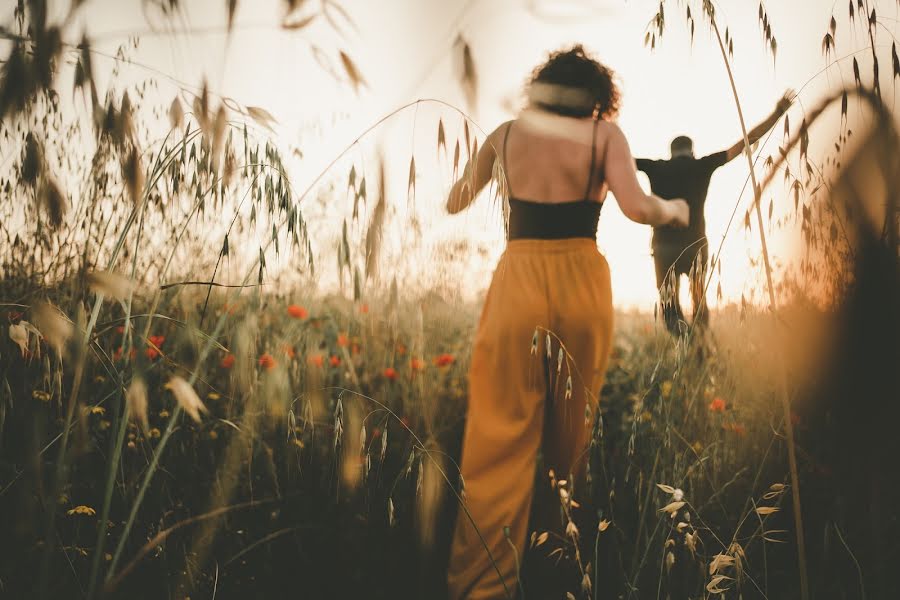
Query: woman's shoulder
<point>611,128</point>
<point>501,129</point>
<point>494,140</point>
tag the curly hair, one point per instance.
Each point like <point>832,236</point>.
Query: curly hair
<point>573,84</point>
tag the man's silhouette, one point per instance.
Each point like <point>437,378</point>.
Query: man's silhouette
<point>685,251</point>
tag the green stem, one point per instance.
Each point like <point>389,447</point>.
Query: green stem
<point>107,497</point>
<point>151,469</point>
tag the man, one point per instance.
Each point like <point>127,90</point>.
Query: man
<point>684,251</point>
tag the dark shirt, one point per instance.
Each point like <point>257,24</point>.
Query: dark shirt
<point>546,221</point>
<point>687,178</point>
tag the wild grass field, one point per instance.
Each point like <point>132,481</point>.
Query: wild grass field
<point>328,448</point>
<point>206,391</point>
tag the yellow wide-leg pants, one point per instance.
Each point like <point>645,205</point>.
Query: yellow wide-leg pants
<point>560,286</point>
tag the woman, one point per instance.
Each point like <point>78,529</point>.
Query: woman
<point>551,289</point>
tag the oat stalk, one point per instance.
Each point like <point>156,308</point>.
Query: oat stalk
<point>782,381</point>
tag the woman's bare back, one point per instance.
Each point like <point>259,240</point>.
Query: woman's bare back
<point>548,158</point>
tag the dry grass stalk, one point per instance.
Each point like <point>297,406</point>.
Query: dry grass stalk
<point>187,398</point>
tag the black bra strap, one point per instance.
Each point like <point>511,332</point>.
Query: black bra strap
<point>587,192</point>
<point>505,164</point>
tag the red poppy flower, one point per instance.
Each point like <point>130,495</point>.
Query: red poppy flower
<point>288,350</point>
<point>297,312</point>
<point>739,429</point>
<point>364,308</point>
<point>267,361</point>
<point>390,373</point>
<point>401,349</point>
<point>342,340</point>
<point>443,360</point>
<point>417,364</point>
<point>120,329</point>
<point>227,361</point>
<point>317,360</point>
<point>717,405</point>
<point>155,342</point>
<point>334,361</point>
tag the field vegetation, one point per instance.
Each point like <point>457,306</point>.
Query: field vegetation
<point>206,392</point>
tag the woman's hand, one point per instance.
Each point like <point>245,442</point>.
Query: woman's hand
<point>680,213</point>
<point>476,174</point>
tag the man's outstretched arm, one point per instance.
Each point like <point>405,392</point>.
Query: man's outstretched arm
<point>760,130</point>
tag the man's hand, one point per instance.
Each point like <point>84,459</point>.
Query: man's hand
<point>785,102</point>
<point>680,213</point>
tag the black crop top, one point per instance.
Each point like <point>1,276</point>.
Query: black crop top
<point>558,220</point>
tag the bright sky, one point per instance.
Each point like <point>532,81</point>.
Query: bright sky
<point>405,51</point>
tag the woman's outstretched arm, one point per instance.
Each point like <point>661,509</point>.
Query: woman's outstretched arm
<point>637,205</point>
<point>475,176</point>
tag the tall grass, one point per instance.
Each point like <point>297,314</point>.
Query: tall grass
<point>326,408</point>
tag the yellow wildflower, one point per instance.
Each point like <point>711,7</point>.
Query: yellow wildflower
<point>81,510</point>
<point>665,389</point>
